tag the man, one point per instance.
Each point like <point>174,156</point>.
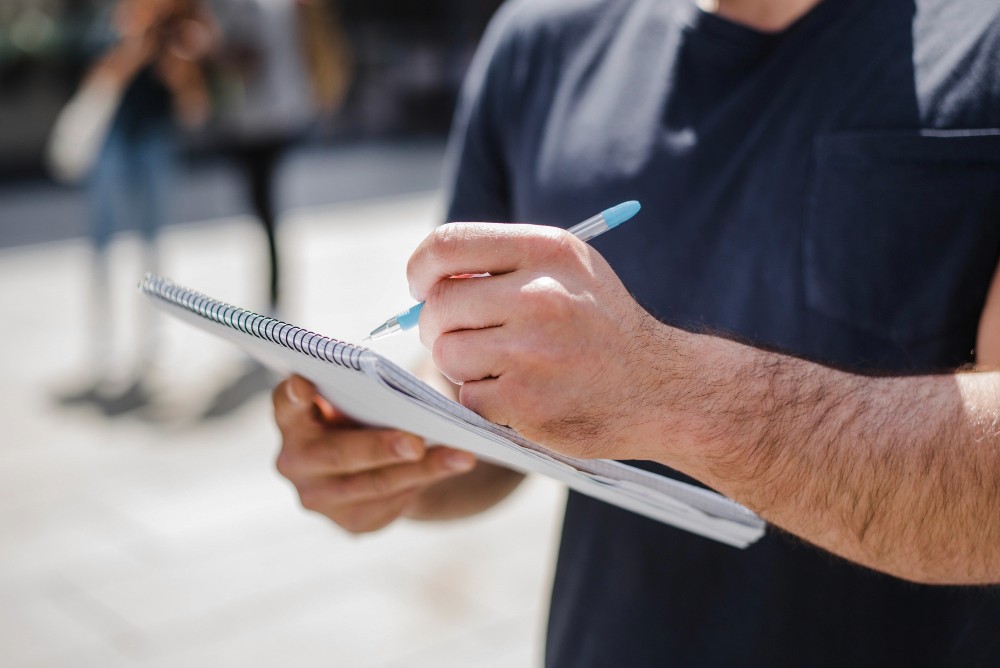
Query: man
<point>820,178</point>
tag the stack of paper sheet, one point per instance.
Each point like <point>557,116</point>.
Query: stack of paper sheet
<point>376,391</point>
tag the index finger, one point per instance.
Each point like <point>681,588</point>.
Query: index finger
<point>458,249</point>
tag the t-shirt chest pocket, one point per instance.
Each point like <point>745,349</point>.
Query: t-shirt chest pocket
<point>902,230</point>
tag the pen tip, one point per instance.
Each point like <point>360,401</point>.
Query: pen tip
<point>618,214</point>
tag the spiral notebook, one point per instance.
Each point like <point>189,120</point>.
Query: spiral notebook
<point>374,390</point>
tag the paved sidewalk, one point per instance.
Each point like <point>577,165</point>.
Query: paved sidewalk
<point>158,538</point>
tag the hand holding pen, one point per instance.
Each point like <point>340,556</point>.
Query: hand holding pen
<point>547,344</point>
<point>585,231</point>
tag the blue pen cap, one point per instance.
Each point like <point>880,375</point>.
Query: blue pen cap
<point>618,214</point>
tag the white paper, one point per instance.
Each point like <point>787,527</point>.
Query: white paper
<point>381,393</point>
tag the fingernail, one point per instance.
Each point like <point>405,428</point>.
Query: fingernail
<point>459,461</point>
<point>406,448</point>
<point>294,392</point>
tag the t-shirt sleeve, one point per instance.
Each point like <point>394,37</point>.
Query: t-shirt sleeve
<point>476,177</point>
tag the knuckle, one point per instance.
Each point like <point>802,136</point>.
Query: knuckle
<point>556,246</point>
<point>355,521</point>
<point>470,397</point>
<point>351,525</point>
<point>444,239</point>
<point>312,499</point>
<point>441,354</point>
<point>545,292</point>
<point>487,399</point>
<point>285,463</point>
<point>549,304</point>
<point>436,248</point>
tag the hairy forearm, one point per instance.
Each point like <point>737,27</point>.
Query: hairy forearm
<point>899,474</point>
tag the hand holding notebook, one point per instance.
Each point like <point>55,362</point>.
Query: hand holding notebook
<point>363,478</point>
<point>374,391</point>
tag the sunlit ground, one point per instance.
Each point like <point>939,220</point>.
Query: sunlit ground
<point>159,538</point>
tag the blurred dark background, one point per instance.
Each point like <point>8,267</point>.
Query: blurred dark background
<point>408,62</point>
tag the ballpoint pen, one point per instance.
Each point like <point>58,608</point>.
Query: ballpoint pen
<point>585,231</point>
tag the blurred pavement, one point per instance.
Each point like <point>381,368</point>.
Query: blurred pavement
<point>159,538</point>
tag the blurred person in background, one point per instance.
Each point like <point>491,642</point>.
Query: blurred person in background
<point>282,66</point>
<point>146,81</point>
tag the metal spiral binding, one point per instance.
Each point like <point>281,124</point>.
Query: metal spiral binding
<point>301,340</point>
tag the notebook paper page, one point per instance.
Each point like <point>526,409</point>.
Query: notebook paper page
<point>375,391</point>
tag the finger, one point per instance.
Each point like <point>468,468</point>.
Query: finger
<point>439,464</point>
<point>473,354</point>
<point>467,303</point>
<point>327,414</point>
<point>298,406</point>
<point>373,515</point>
<point>492,301</point>
<point>473,248</point>
<point>292,399</point>
<point>489,399</point>
<point>351,451</point>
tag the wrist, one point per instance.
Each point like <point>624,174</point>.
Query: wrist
<point>672,391</point>
<point>715,405</point>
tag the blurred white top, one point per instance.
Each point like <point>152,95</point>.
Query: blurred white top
<point>274,96</point>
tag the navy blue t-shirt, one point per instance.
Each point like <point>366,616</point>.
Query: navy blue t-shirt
<point>832,191</point>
